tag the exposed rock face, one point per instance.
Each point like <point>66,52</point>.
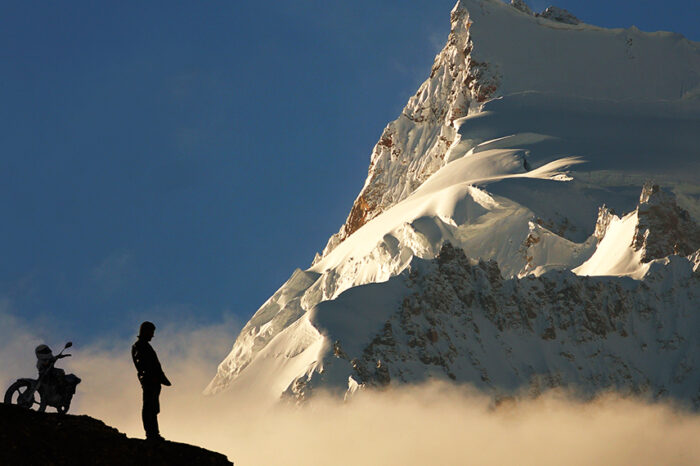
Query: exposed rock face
<point>694,259</point>
<point>459,319</point>
<point>552,13</point>
<point>560,15</point>
<point>31,438</point>
<point>413,147</point>
<point>522,6</point>
<point>664,228</point>
<point>605,216</point>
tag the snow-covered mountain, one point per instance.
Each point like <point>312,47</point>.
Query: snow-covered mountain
<point>529,220</point>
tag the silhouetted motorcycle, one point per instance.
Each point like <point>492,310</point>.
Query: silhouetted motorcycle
<point>52,388</point>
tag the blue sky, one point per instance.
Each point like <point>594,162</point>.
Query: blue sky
<point>177,160</point>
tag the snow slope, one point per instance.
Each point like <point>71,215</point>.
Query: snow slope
<point>497,50</point>
<point>456,318</point>
<point>527,139</point>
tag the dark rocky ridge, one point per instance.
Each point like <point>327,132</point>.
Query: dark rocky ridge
<point>399,164</point>
<point>31,438</point>
<point>663,227</point>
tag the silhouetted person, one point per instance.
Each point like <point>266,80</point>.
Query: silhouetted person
<point>151,377</point>
<point>45,359</point>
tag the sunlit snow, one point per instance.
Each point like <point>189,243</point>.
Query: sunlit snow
<point>581,117</point>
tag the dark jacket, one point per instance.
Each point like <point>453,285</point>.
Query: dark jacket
<point>147,364</point>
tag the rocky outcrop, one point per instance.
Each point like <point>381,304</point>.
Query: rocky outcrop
<point>31,438</point>
<point>694,259</point>
<point>559,15</point>
<point>552,13</point>
<point>461,320</point>
<point>522,6</point>
<point>413,147</point>
<point>605,216</point>
<point>663,227</point>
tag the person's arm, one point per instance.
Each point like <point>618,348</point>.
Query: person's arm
<point>163,379</point>
<point>152,367</point>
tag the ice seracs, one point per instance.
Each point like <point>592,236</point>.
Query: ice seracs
<point>500,238</point>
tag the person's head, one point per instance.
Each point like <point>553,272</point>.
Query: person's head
<point>43,352</point>
<point>147,330</point>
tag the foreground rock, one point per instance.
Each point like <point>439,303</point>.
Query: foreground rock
<point>28,437</point>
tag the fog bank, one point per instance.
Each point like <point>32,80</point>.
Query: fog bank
<point>434,423</point>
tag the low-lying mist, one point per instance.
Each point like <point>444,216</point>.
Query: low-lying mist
<point>432,424</point>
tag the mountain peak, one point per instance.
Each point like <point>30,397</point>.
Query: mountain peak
<point>523,129</point>
<point>494,50</point>
<point>413,147</point>
<point>459,8</point>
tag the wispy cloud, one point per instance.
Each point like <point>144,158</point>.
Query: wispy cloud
<point>114,271</point>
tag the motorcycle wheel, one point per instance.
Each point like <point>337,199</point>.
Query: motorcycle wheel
<point>63,409</point>
<point>17,395</point>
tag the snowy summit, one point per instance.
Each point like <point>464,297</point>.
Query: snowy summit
<point>530,220</point>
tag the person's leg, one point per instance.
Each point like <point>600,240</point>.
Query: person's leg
<point>151,408</point>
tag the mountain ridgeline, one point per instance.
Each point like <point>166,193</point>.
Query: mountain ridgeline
<point>529,221</point>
